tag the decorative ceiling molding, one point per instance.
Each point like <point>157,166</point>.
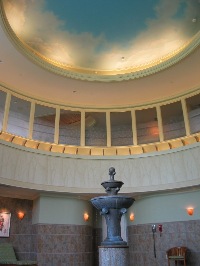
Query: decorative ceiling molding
<point>168,100</point>
<point>92,75</point>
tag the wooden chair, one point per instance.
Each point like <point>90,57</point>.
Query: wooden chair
<point>8,258</point>
<point>177,254</point>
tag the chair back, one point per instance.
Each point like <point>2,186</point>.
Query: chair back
<point>177,251</point>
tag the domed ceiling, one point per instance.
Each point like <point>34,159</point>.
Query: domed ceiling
<point>96,40</point>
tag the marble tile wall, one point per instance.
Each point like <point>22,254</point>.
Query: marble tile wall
<point>140,240</point>
<point>50,245</point>
<point>66,245</point>
<point>97,239</point>
<point>77,245</point>
<point>21,231</point>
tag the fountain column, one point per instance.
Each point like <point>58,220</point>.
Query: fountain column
<point>113,250</point>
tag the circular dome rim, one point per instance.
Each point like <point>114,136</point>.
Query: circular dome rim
<point>87,74</point>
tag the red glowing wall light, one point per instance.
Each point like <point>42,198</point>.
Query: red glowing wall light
<point>86,216</point>
<point>154,131</point>
<point>190,211</point>
<point>132,217</point>
<point>20,215</point>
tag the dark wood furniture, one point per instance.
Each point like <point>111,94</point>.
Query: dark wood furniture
<point>177,254</point>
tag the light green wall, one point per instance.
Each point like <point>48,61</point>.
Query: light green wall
<point>61,210</point>
<point>36,211</point>
<point>97,218</point>
<point>165,208</point>
<point>158,208</point>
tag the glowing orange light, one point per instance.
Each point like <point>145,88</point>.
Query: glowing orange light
<point>154,131</point>
<point>86,216</point>
<point>132,216</point>
<point>20,215</point>
<point>190,211</point>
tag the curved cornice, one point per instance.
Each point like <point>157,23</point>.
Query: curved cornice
<point>91,74</point>
<point>167,100</point>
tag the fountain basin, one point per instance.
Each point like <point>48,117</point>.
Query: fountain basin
<point>112,184</point>
<point>112,202</point>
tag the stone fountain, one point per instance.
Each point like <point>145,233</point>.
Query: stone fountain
<point>112,207</point>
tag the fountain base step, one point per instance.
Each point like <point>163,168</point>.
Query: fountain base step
<point>113,255</point>
<point>113,243</point>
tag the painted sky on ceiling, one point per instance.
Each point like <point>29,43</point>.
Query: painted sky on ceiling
<point>104,34</point>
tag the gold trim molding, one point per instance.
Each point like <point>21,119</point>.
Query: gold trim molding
<point>100,152</point>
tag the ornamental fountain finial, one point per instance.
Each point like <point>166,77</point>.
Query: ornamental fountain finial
<point>112,173</point>
<point>112,186</point>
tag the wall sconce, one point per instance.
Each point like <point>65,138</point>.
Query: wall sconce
<point>132,217</point>
<point>190,211</point>
<point>154,131</point>
<point>86,216</point>
<point>20,215</point>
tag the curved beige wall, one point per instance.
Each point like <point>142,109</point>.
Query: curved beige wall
<point>20,166</point>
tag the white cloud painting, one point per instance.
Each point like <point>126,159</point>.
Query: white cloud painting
<point>172,24</point>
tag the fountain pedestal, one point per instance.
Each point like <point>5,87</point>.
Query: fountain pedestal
<point>113,219</point>
<point>112,207</point>
<point>113,256</point>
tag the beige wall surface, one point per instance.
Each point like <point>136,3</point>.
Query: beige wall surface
<point>20,166</point>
